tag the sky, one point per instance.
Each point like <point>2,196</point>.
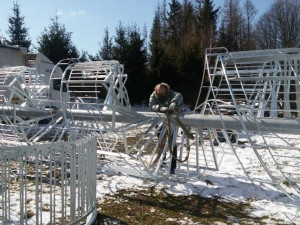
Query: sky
<point>88,19</point>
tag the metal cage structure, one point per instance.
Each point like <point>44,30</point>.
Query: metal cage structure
<point>265,82</point>
<point>22,87</point>
<point>49,183</point>
<point>48,147</point>
<point>20,84</point>
<point>260,87</point>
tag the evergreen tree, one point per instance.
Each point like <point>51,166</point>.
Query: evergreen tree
<point>84,56</point>
<point>93,57</point>
<point>136,67</point>
<point>55,42</point>
<point>207,17</point>
<point>120,49</point>
<point>145,37</point>
<point>17,32</point>
<point>174,22</point>
<point>163,20</point>
<point>169,66</point>
<point>156,45</point>
<point>106,49</point>
<point>130,50</point>
<point>176,57</point>
<point>188,24</point>
<point>222,37</point>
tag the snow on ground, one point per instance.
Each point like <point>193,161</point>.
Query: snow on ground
<point>231,182</point>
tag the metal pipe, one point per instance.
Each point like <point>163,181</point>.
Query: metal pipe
<point>287,126</point>
<point>277,125</point>
<point>23,111</point>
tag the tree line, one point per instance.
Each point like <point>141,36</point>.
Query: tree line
<point>179,35</point>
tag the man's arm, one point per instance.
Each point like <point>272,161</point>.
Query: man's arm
<point>176,97</point>
<point>153,103</point>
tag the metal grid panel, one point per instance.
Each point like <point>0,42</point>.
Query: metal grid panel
<point>48,184</point>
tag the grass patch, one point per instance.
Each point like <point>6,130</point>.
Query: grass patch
<point>151,207</point>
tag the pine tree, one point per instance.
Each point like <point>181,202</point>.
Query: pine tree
<point>55,42</point>
<point>175,54</point>
<point>163,20</point>
<point>174,22</point>
<point>130,50</point>
<point>106,49</point>
<point>17,32</point>
<point>84,56</point>
<point>120,49</point>
<point>188,24</point>
<point>145,37</point>
<point>207,17</point>
<point>136,67</point>
<point>156,45</point>
<point>222,37</point>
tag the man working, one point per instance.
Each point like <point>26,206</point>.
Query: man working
<point>165,100</point>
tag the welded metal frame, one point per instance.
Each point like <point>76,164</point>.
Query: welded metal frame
<point>60,179</point>
<point>255,86</point>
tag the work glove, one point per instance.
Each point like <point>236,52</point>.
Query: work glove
<point>164,109</point>
<point>172,107</point>
<point>155,108</point>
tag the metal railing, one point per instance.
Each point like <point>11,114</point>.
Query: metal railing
<point>48,183</point>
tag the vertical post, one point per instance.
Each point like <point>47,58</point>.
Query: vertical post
<point>36,185</point>
<point>62,161</point>
<point>296,65</point>
<point>72,182</point>
<point>21,192</point>
<point>286,94</point>
<point>197,151</point>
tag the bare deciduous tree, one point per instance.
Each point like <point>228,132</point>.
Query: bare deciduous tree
<point>250,13</point>
<point>280,26</point>
<point>267,34</point>
<point>232,25</point>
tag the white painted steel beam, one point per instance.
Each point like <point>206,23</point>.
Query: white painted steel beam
<point>23,111</point>
<point>287,126</point>
<point>277,125</point>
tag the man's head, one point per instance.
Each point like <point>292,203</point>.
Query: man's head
<point>162,90</point>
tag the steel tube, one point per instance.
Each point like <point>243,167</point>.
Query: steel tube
<point>287,126</point>
<point>277,125</point>
<point>23,111</point>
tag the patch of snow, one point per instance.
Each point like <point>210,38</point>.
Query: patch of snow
<point>171,220</point>
<point>229,183</point>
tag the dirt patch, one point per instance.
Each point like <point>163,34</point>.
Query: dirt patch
<point>132,141</point>
<point>152,207</point>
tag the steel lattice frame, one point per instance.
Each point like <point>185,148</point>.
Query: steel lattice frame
<point>256,85</point>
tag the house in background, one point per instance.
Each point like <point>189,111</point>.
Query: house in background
<point>14,55</point>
